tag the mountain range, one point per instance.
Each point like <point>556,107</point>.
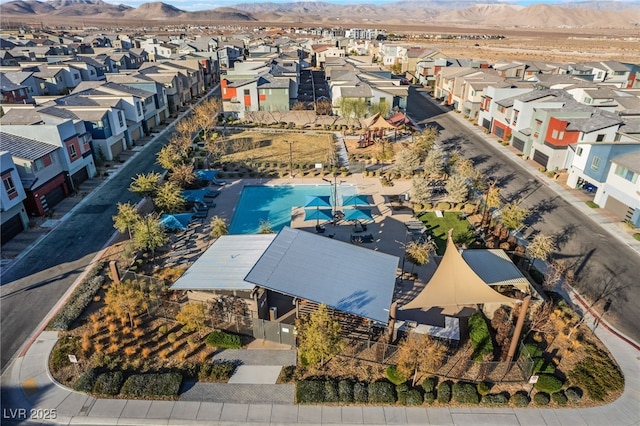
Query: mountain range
<point>585,15</point>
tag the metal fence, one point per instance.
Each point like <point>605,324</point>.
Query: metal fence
<point>458,367</point>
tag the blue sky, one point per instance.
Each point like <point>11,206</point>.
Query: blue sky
<point>191,5</point>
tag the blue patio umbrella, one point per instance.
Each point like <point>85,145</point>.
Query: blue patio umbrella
<point>206,175</point>
<point>176,221</point>
<point>355,200</point>
<point>317,201</point>
<point>194,195</point>
<point>317,215</point>
<point>357,214</point>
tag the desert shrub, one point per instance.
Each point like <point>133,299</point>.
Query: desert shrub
<point>501,398</point>
<point>345,391</point>
<point>574,394</point>
<point>541,398</point>
<point>222,370</point>
<point>86,381</point>
<point>331,391</point>
<point>465,393</point>
<point>190,370</point>
<point>382,393</point>
<point>360,393</point>
<point>429,397</point>
<point>443,206</point>
<point>542,366</point>
<point>520,399</point>
<point>162,330</point>
<point>394,375</point>
<point>59,357</point>
<point>287,374</point>
<point>559,398</point>
<point>108,383</point>
<point>78,301</point>
<point>483,388</point>
<point>480,337</point>
<point>597,375</point>
<point>220,339</point>
<point>444,392</point>
<point>172,337</point>
<point>204,372</point>
<point>429,384</point>
<point>548,383</point>
<point>310,391</point>
<point>153,384</point>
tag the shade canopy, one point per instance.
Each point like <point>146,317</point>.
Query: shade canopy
<point>206,175</point>
<point>317,201</point>
<point>194,195</point>
<point>355,200</point>
<point>176,222</point>
<point>357,214</point>
<point>318,214</point>
<point>455,284</point>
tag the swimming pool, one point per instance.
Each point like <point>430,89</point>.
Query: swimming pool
<point>273,203</point>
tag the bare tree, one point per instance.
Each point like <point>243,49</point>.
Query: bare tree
<point>419,353</point>
<point>457,189</point>
<point>434,162</point>
<point>425,141</point>
<point>540,247</point>
<point>406,161</point>
<point>419,253</point>
<point>420,190</point>
<point>183,175</point>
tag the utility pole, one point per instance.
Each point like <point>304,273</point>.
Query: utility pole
<point>290,159</point>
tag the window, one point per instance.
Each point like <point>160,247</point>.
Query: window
<point>599,76</point>
<point>72,151</point>
<point>139,107</point>
<point>76,76</point>
<point>38,165</point>
<point>595,163</point>
<point>120,119</point>
<point>600,138</point>
<point>554,134</point>
<point>501,108</point>
<point>9,187</point>
<point>626,174</point>
<point>246,92</point>
<point>579,152</point>
<point>561,135</point>
<point>588,100</point>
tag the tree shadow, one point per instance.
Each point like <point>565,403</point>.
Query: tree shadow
<point>537,213</point>
<point>561,238</point>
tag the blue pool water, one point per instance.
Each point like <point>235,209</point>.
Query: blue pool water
<point>274,203</point>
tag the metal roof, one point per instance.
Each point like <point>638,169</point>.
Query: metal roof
<point>343,276</point>
<point>225,264</point>
<point>494,267</point>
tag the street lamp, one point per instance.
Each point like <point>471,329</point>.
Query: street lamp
<point>335,192</point>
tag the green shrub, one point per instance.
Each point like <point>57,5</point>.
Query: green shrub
<point>331,391</point>
<point>597,375</point>
<point>548,383</point>
<point>360,393</point>
<point>222,370</point>
<point>429,384</point>
<point>223,340</point>
<point>153,384</point>
<point>402,388</point>
<point>501,398</point>
<point>533,350</point>
<point>413,397</point>
<point>465,393</point>
<point>444,392</point>
<point>382,393</point>
<point>394,375</point>
<point>205,371</point>
<point>429,397</point>
<point>310,391</point>
<point>190,370</point>
<point>162,330</point>
<point>637,236</point>
<point>345,391</point>
<point>574,394</point>
<point>108,383</point>
<point>172,337</point>
<point>480,336</point>
<point>79,300</point>
<point>59,357</point>
<point>520,399</point>
<point>592,204</point>
<point>559,398</point>
<point>86,381</point>
<point>484,388</point>
<point>541,398</point>
<point>287,374</point>
<point>542,366</point>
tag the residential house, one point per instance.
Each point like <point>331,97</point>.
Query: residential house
<point>321,52</point>
<point>620,194</point>
<point>13,93</point>
<point>40,169</point>
<point>144,82</point>
<point>489,107</point>
<point>14,217</point>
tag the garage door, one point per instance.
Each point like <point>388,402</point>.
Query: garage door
<point>11,228</point>
<point>540,158</point>
<point>53,197</point>
<point>116,148</point>
<point>518,144</point>
<point>498,131</point>
<point>486,124</point>
<point>616,207</point>
<point>79,177</point>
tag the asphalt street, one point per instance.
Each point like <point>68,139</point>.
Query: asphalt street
<point>602,264</point>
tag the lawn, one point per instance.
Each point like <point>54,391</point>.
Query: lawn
<point>439,226</point>
<point>255,147</point>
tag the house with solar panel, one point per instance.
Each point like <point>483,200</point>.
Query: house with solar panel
<point>275,278</point>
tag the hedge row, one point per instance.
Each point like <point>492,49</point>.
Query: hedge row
<point>315,391</point>
<point>480,336</point>
<point>78,301</point>
<point>223,340</point>
<point>136,385</point>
